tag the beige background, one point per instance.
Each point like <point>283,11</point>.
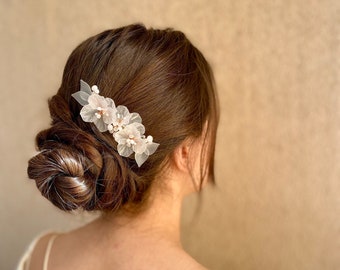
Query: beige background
<point>277,205</point>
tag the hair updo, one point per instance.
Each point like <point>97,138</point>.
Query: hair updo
<point>157,73</point>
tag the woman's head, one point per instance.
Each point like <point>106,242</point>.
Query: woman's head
<point>157,73</point>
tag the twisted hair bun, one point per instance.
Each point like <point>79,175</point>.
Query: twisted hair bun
<point>73,170</point>
<point>59,175</point>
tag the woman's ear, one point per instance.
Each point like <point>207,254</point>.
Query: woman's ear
<point>181,157</point>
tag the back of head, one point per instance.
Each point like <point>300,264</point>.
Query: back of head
<point>157,73</point>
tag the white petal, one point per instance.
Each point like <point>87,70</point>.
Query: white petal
<point>103,103</point>
<point>120,137</point>
<point>109,116</point>
<point>85,87</point>
<point>110,103</point>
<point>141,158</point>
<point>151,148</point>
<point>81,97</point>
<point>123,111</point>
<point>93,101</point>
<point>135,118</point>
<point>137,126</point>
<point>100,125</point>
<point>87,113</point>
<point>140,147</point>
<point>96,101</point>
<point>131,130</point>
<point>124,150</point>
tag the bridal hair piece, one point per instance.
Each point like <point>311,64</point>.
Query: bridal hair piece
<point>127,128</point>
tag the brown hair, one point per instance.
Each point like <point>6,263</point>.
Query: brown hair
<point>157,73</point>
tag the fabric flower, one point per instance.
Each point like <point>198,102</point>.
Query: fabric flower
<point>149,147</point>
<point>100,111</point>
<point>123,118</point>
<point>129,139</point>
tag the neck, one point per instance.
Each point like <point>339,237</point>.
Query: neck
<point>159,222</point>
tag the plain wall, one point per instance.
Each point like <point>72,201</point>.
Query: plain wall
<point>277,70</point>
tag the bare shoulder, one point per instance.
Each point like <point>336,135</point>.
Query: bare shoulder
<point>38,253</point>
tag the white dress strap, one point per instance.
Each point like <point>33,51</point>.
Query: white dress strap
<point>48,250</point>
<point>24,262</point>
<point>26,257</point>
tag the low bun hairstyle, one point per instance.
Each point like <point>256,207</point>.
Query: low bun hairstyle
<point>157,73</point>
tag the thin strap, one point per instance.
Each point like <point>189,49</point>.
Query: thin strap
<point>48,250</point>
<point>25,259</point>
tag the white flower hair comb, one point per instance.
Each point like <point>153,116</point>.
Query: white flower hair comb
<point>127,128</point>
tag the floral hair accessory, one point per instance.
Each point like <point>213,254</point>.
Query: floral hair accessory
<point>127,128</point>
